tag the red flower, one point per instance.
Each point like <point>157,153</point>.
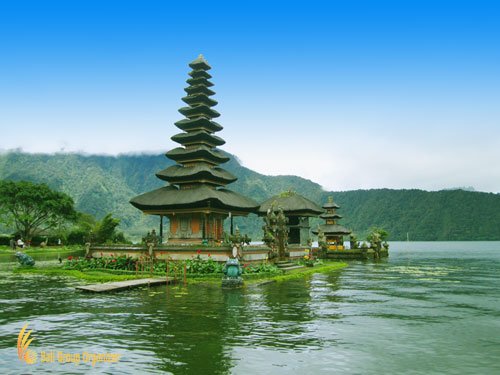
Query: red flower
<point>198,251</point>
<point>114,260</point>
<point>209,254</point>
<point>70,257</point>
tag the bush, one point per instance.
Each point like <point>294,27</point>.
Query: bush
<point>77,236</point>
<point>52,240</point>
<point>260,268</point>
<point>121,262</point>
<point>194,266</point>
<point>119,237</point>
<point>307,261</point>
<point>203,266</point>
<point>5,240</point>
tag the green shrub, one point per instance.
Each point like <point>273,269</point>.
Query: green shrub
<point>77,236</point>
<point>5,240</point>
<point>121,262</point>
<point>260,268</point>
<point>203,266</point>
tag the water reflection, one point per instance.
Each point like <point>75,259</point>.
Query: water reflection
<point>431,313</point>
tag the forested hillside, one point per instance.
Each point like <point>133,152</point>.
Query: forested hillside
<point>102,184</point>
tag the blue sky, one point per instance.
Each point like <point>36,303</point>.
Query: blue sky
<point>350,94</point>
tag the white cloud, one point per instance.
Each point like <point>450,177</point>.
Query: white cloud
<point>363,162</point>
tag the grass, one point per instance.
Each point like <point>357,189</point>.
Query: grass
<point>92,276</point>
<point>99,276</point>
<point>301,272</point>
<point>42,250</point>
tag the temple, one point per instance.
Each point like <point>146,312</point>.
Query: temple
<point>195,200</point>
<point>298,210</point>
<point>333,232</point>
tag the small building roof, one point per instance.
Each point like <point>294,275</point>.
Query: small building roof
<point>327,216</point>
<point>293,204</point>
<point>199,63</point>
<point>330,203</point>
<point>332,229</point>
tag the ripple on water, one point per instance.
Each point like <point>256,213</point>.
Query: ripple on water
<point>412,313</point>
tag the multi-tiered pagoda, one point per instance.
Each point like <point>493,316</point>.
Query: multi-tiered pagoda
<point>334,233</point>
<point>195,200</point>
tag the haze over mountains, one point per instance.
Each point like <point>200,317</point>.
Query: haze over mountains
<point>101,184</point>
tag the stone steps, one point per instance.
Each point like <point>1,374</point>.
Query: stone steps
<point>287,266</point>
<point>294,267</point>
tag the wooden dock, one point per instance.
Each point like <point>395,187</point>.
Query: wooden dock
<point>121,285</point>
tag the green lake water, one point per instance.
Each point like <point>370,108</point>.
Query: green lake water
<point>431,308</point>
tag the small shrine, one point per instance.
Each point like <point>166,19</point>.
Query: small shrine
<point>195,201</point>
<point>298,210</point>
<point>333,232</point>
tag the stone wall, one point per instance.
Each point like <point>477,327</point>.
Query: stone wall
<point>251,254</point>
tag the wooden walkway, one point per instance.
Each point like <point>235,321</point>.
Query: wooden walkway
<point>121,285</point>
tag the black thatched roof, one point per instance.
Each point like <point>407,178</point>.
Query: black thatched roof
<point>203,173</point>
<point>330,216</point>
<point>332,229</point>
<point>183,155</point>
<point>198,137</point>
<point>199,73</point>
<point>292,204</point>
<point>199,63</point>
<point>170,198</point>
<point>330,204</point>
<point>200,123</point>
<point>199,111</point>
<point>197,99</point>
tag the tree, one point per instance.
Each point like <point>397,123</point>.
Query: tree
<point>88,229</point>
<point>81,231</point>
<point>105,229</point>
<point>33,208</point>
<point>382,233</point>
<point>376,237</point>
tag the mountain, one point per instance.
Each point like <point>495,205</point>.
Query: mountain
<point>101,184</point>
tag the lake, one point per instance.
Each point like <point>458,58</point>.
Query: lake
<point>431,308</point>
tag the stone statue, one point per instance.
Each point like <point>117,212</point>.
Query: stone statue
<point>232,274</point>
<point>238,240</point>
<point>375,243</point>
<point>87,250</point>
<point>353,241</point>
<point>276,230</point>
<point>24,259</point>
<point>323,245</point>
